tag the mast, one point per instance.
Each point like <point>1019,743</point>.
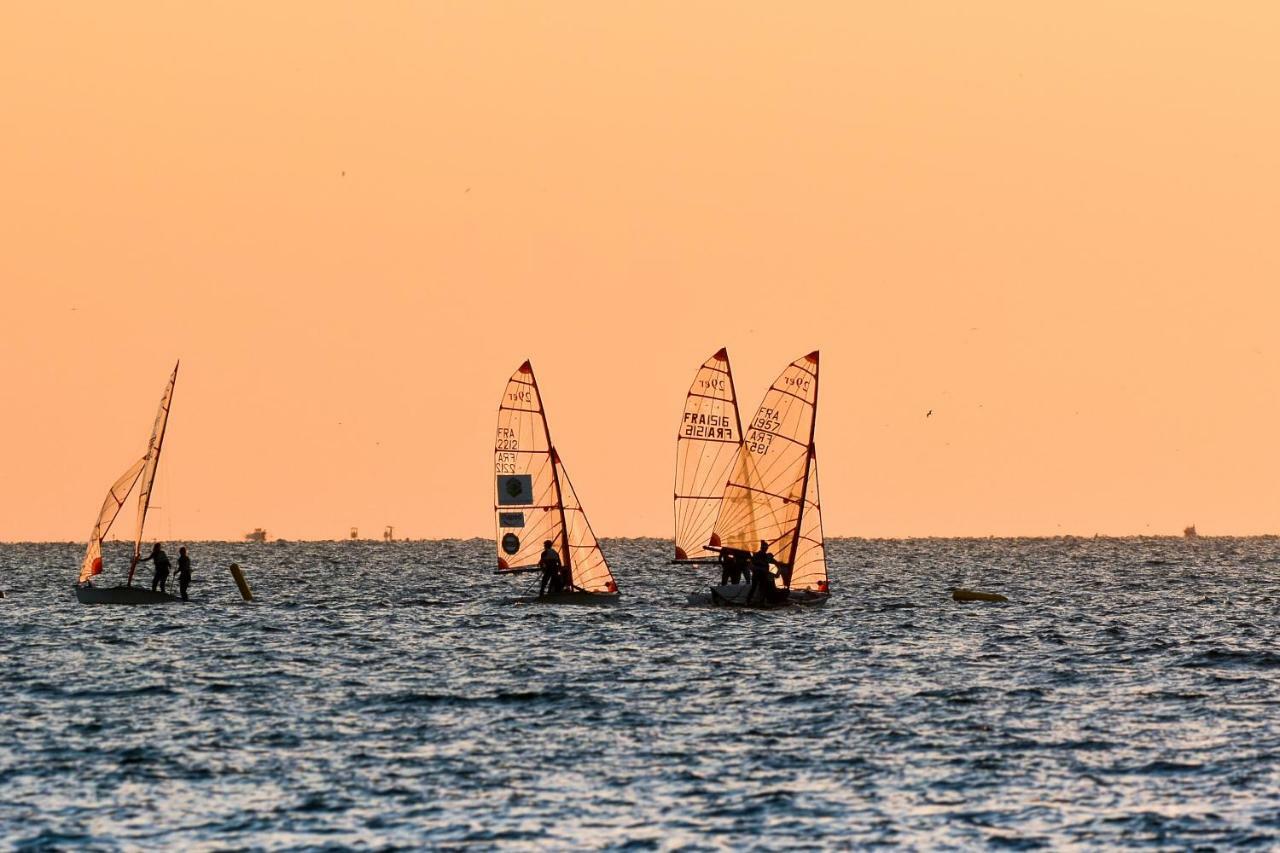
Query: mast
<point>808,467</point>
<point>733,392</point>
<point>555,471</point>
<point>153,465</point>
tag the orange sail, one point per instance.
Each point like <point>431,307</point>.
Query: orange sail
<point>152,464</point>
<point>92,563</point>
<point>707,445</point>
<point>533,498</point>
<point>772,493</point>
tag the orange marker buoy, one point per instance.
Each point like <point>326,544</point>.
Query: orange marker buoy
<point>245,592</point>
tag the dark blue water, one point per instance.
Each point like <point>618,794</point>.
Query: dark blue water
<point>387,695</point>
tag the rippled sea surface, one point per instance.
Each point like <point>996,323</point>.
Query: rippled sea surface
<point>388,696</point>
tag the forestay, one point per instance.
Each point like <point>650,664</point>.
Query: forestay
<point>707,445</point>
<point>534,500</point>
<point>773,485</point>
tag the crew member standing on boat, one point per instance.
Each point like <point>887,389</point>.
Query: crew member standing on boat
<point>161,561</point>
<point>761,577</point>
<point>184,572</point>
<point>731,566</point>
<point>550,564</point>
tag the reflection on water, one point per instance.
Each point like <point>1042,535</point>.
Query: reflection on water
<point>389,695</point>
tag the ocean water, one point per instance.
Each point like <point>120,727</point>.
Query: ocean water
<point>389,696</point>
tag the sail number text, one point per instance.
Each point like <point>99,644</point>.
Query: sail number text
<point>507,439</point>
<point>505,463</point>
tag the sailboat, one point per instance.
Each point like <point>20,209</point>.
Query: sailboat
<point>535,502</point>
<point>143,471</point>
<point>772,493</point>
<point>707,445</point>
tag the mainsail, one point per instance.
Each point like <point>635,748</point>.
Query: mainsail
<point>534,500</point>
<point>707,445</point>
<point>152,463</point>
<point>92,564</point>
<point>772,493</point>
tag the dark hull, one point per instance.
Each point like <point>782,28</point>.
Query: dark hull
<point>736,596</point>
<point>122,595</point>
<point>589,599</point>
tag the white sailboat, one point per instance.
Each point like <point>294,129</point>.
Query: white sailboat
<point>534,501</point>
<point>143,471</point>
<point>772,494</point>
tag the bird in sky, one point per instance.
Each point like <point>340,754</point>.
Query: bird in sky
<point>929,413</point>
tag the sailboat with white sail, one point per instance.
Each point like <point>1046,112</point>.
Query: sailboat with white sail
<point>535,502</point>
<point>141,472</point>
<point>772,497</point>
<point>707,445</point>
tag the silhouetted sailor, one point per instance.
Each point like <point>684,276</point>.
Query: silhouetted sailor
<point>731,566</point>
<point>161,561</point>
<point>550,564</point>
<point>761,577</point>
<point>184,572</point>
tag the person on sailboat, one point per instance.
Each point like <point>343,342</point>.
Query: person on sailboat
<point>161,561</point>
<point>551,567</point>
<point>731,566</point>
<point>184,572</point>
<point>761,577</point>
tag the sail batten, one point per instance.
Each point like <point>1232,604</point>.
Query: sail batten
<point>707,445</point>
<point>534,498</point>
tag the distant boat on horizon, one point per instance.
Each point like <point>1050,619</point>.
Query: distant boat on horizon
<point>258,534</point>
<point>1190,532</point>
<point>535,502</point>
<point>143,471</point>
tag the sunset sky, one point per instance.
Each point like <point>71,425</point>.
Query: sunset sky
<point>352,221</point>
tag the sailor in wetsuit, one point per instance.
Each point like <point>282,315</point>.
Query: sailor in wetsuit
<point>184,572</point>
<point>551,567</point>
<point>161,561</point>
<point>761,577</point>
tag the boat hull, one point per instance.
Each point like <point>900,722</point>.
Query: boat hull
<point>735,595</point>
<point>589,599</point>
<point>122,595</point>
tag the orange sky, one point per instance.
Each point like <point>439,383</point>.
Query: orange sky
<point>1057,230</point>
